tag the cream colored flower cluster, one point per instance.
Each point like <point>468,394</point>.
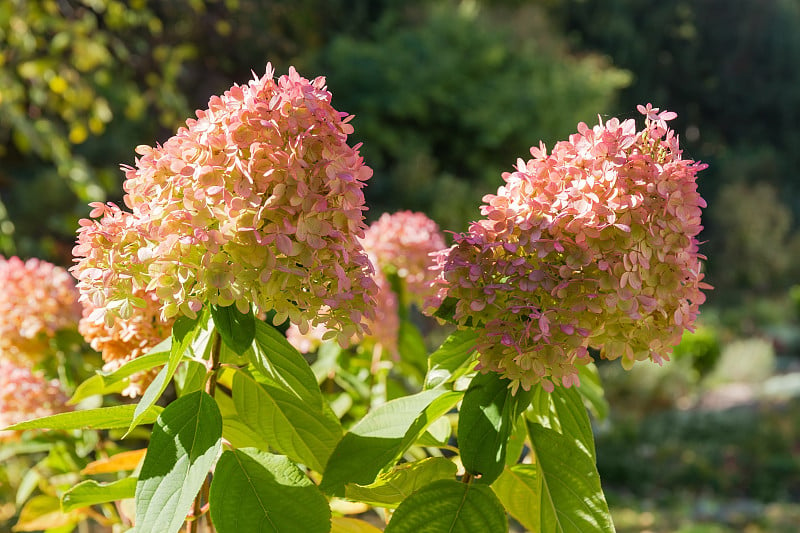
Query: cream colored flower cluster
<point>258,200</point>
<point>592,246</point>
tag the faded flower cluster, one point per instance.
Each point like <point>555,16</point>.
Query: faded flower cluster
<point>36,301</point>
<point>127,338</point>
<point>592,246</point>
<point>259,199</point>
<point>26,394</point>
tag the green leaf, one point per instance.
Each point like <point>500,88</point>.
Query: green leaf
<point>279,361</point>
<point>518,490</point>
<point>393,487</point>
<point>110,382</point>
<point>190,376</point>
<point>437,434</point>
<point>234,430</point>
<point>592,390</point>
<point>485,422</point>
<point>452,359</point>
<point>411,346</point>
<point>563,410</point>
<point>571,498</point>
<point>185,443</point>
<point>257,492</point>
<point>184,332</point>
<point>447,310</point>
<point>303,432</point>
<point>236,328</point>
<point>90,492</point>
<point>382,436</point>
<point>450,506</point>
<point>118,416</point>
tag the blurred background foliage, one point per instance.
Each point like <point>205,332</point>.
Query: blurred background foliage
<point>447,94</point>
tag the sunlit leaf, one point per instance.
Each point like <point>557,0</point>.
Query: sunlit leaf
<point>451,506</point>
<point>380,438</point>
<point>121,462</point>
<point>185,443</point>
<point>306,434</point>
<point>571,498</point>
<point>393,487</point>
<point>90,492</point>
<point>117,416</point>
<point>258,492</point>
<point>451,359</point>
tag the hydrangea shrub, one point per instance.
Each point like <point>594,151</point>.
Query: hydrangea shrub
<point>256,208</point>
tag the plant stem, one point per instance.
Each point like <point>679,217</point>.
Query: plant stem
<point>213,363</point>
<point>210,387</point>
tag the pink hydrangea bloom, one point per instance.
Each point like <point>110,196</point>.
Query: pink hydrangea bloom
<point>25,395</point>
<point>381,331</point>
<point>37,300</point>
<point>127,339</point>
<point>257,200</point>
<point>402,243</point>
<point>592,246</point>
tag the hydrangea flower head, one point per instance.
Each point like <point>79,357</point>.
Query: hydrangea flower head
<point>381,331</point>
<point>37,300</point>
<point>259,199</point>
<point>402,243</point>
<point>592,246</point>
<point>25,395</point>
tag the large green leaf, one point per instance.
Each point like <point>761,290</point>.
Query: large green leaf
<point>236,328</point>
<point>571,498</point>
<point>118,416</point>
<point>184,445</point>
<point>452,359</point>
<point>519,491</point>
<point>90,492</point>
<point>257,492</point>
<point>563,410</point>
<point>185,332</point>
<point>276,359</point>
<point>393,487</point>
<point>382,436</point>
<point>450,506</point>
<point>303,432</point>
<point>485,422</point>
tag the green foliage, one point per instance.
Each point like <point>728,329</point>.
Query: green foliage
<point>485,422</point>
<point>445,105</point>
<point>81,83</point>
<point>90,492</point>
<point>258,492</point>
<point>117,416</point>
<point>447,505</point>
<point>702,347</point>
<point>186,441</point>
<point>237,329</point>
